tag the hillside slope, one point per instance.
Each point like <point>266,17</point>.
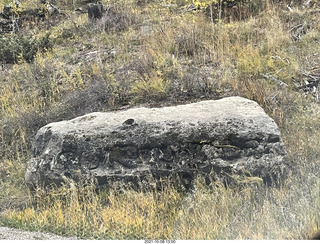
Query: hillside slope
<point>57,64</point>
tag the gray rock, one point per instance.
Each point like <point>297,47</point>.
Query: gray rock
<point>213,138</point>
<point>95,11</point>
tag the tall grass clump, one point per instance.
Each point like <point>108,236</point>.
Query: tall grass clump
<point>83,213</point>
<point>253,212</point>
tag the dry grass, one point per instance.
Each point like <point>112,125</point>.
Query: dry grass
<point>252,212</point>
<point>86,214</point>
<point>165,55</point>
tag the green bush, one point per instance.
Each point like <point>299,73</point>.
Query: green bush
<point>19,48</point>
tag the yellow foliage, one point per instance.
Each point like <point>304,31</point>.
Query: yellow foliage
<point>249,61</point>
<point>153,88</point>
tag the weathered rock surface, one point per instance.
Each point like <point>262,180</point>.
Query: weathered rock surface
<point>231,135</point>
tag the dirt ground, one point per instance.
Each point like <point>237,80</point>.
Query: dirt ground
<point>16,234</point>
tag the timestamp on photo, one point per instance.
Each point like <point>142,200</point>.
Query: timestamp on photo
<point>160,241</point>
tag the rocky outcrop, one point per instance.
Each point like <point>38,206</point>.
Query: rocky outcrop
<point>8,25</point>
<point>213,138</point>
<point>9,18</point>
<point>13,17</point>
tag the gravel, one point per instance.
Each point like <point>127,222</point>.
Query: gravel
<point>16,234</point>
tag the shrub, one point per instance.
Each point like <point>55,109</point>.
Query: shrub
<point>94,98</point>
<point>152,89</point>
<point>18,48</point>
<point>118,17</point>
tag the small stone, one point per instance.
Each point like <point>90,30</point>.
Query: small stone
<point>128,122</point>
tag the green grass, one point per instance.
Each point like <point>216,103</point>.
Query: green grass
<point>162,55</point>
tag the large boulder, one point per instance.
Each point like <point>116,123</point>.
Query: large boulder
<point>212,138</point>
